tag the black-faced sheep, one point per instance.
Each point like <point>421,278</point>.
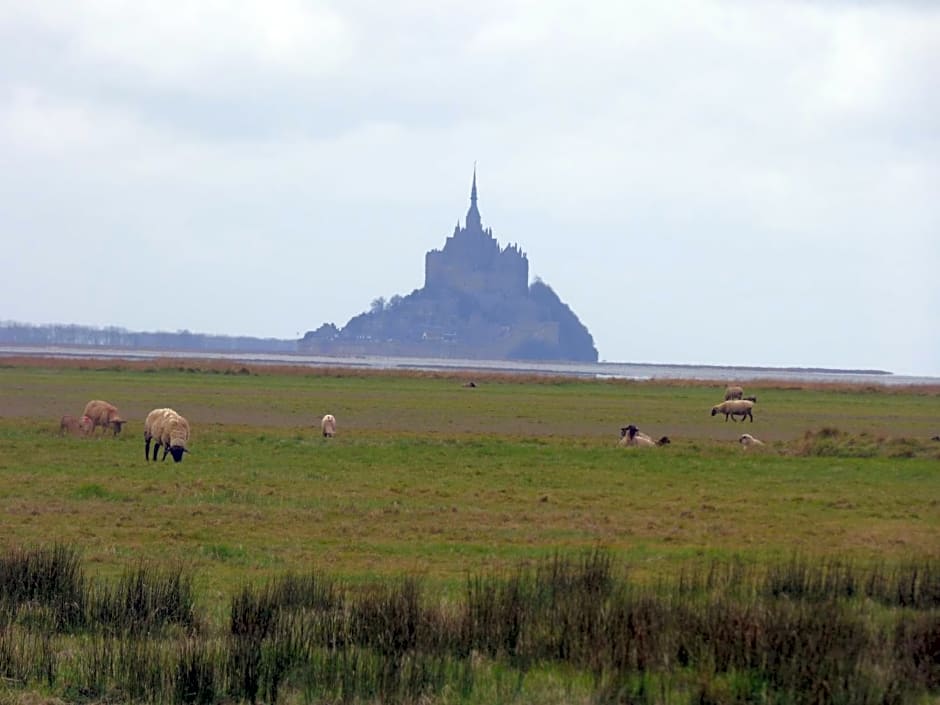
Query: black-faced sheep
<point>735,407</point>
<point>328,426</point>
<point>166,428</point>
<point>74,426</point>
<point>103,414</point>
<point>733,392</point>
<point>631,436</point>
<point>748,441</point>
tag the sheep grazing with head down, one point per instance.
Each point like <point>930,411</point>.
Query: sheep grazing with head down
<point>748,441</point>
<point>328,426</point>
<point>735,407</point>
<point>733,392</point>
<point>169,429</point>
<point>74,426</point>
<point>103,414</point>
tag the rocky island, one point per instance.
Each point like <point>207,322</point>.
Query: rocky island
<point>476,303</point>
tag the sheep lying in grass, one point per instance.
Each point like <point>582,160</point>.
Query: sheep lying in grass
<point>748,441</point>
<point>733,392</point>
<point>631,436</point>
<point>103,414</point>
<point>166,428</point>
<point>75,426</point>
<point>735,407</point>
<point>328,426</point>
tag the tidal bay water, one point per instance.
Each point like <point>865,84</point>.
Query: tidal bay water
<point>599,370</point>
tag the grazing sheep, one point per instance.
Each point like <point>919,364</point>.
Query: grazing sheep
<point>103,414</point>
<point>733,393</point>
<point>735,407</point>
<point>748,441</point>
<point>74,426</point>
<point>328,426</point>
<point>631,436</point>
<point>166,428</point>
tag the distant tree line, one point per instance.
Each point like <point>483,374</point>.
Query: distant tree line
<point>13,333</point>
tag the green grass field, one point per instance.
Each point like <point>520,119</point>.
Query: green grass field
<point>428,477</point>
<point>430,480</point>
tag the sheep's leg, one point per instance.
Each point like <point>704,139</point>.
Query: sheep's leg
<point>156,447</point>
<point>166,450</point>
<point>146,449</point>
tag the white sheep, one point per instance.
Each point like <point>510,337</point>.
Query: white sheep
<point>328,426</point>
<point>74,426</point>
<point>631,436</point>
<point>748,441</point>
<point>103,414</point>
<point>169,429</point>
<point>733,392</point>
<point>735,407</point>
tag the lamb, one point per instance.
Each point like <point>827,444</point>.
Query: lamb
<point>103,414</point>
<point>328,426</point>
<point>168,429</point>
<point>74,426</point>
<point>748,441</point>
<point>733,392</point>
<point>735,407</point>
<point>633,437</point>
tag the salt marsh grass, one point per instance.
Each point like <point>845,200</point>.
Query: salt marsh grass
<point>457,545</point>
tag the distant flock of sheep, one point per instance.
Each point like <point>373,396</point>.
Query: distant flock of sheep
<point>167,429</point>
<point>735,404</point>
<point>163,427</point>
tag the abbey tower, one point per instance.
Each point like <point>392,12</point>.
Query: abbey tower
<point>472,262</point>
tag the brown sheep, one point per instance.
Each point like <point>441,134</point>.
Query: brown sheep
<point>105,415</point>
<point>74,426</point>
<point>733,393</point>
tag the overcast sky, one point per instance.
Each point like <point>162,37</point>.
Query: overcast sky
<point>705,181</point>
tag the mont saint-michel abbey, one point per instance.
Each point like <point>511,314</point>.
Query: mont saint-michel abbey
<point>476,303</point>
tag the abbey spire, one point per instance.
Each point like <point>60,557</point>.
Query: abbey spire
<point>473,215</point>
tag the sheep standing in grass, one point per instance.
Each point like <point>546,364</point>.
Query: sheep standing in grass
<point>328,426</point>
<point>748,441</point>
<point>103,414</point>
<point>733,392</point>
<point>735,407</point>
<point>166,428</point>
<point>74,426</point>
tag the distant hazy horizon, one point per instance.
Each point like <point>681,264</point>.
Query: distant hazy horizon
<point>712,183</point>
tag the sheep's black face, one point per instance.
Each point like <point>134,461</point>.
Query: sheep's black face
<point>623,431</point>
<point>177,453</point>
<point>714,411</point>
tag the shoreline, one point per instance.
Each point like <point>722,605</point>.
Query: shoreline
<point>598,370</point>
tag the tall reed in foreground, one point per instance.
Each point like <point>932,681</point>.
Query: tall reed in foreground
<point>796,632</point>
